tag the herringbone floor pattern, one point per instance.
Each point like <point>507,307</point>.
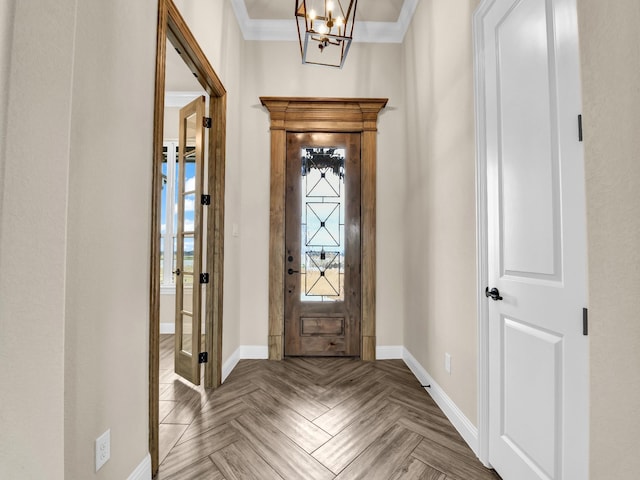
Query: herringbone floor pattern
<point>308,418</point>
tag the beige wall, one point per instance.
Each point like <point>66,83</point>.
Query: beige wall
<point>33,238</point>
<point>108,222</point>
<point>610,51</point>
<point>74,265</point>
<point>7,10</point>
<point>439,198</point>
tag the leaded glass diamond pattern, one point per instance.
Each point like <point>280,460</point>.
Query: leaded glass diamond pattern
<point>323,224</point>
<point>322,273</point>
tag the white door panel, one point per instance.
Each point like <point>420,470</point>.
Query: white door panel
<point>527,147</point>
<point>538,357</point>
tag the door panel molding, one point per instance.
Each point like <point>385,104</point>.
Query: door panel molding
<point>299,114</point>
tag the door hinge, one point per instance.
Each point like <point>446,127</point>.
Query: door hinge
<point>203,357</point>
<point>204,278</point>
<point>206,122</point>
<point>579,128</point>
<point>585,321</point>
<point>205,199</point>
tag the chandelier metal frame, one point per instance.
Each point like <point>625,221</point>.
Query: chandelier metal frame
<point>332,27</point>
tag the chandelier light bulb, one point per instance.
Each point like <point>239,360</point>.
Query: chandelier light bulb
<point>329,6</point>
<point>312,14</point>
<point>339,22</point>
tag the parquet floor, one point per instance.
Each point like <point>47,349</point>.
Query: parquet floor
<point>306,419</point>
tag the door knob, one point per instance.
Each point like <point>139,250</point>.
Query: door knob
<point>493,293</point>
<point>177,271</point>
<point>291,271</point>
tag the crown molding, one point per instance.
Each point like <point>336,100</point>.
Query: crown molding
<point>285,30</point>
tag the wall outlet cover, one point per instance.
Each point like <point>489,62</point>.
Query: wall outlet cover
<point>103,449</point>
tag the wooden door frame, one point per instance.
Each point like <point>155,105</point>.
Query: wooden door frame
<point>295,114</point>
<point>172,26</point>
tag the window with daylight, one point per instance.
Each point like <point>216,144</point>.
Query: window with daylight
<point>169,212</point>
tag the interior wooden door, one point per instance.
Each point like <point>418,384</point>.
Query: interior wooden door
<point>538,352</point>
<point>189,240</point>
<point>322,246</point>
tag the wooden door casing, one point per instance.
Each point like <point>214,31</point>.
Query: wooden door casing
<point>330,327</point>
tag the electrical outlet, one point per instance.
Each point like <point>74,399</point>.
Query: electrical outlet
<point>447,363</point>
<point>103,449</point>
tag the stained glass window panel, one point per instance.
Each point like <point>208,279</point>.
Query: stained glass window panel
<point>322,232</point>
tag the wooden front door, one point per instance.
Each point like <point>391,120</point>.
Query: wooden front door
<point>322,247</point>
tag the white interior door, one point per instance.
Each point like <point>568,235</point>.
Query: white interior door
<point>538,355</point>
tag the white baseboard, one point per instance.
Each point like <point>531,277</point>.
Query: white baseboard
<point>167,328</point>
<point>389,352</point>
<point>230,364</point>
<point>254,352</point>
<point>459,420</point>
<point>143,470</point>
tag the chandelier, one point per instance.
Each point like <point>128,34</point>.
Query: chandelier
<point>325,30</point>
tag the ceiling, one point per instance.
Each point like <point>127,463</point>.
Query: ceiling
<point>377,21</point>
<point>368,10</point>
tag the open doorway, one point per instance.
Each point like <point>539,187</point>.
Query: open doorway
<point>182,228</point>
<point>187,218</point>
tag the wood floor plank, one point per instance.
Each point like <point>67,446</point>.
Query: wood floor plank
<point>229,392</point>
<point>168,435</point>
<point>346,383</point>
<point>165,408</point>
<point>437,430</point>
<point>239,461</point>
<point>414,469</point>
<point>178,390</point>
<point>343,448</point>
<point>203,469</point>
<point>194,450</point>
<point>382,457</point>
<point>214,418</point>
<point>285,457</point>
<point>346,412</point>
<point>458,467</point>
<point>302,431</point>
<point>187,408</point>
<point>419,400</point>
<point>290,394</point>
